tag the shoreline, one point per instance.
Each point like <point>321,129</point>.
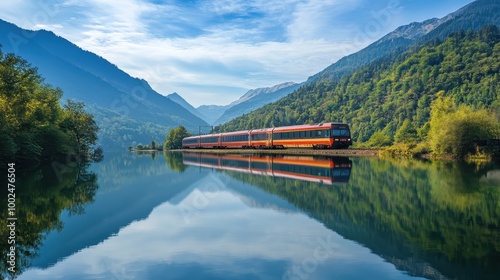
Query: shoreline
<point>305,152</point>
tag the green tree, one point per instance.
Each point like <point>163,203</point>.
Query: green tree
<point>174,138</point>
<point>457,132</point>
<point>34,128</point>
<point>80,126</point>
<point>406,133</point>
<point>153,145</point>
<point>379,139</point>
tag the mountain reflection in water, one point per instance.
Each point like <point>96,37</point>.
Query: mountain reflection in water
<point>194,216</point>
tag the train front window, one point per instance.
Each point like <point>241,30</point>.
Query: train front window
<point>336,132</point>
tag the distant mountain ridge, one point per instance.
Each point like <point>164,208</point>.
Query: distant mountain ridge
<point>181,101</point>
<point>394,42</point>
<point>127,109</point>
<point>255,99</point>
<point>472,16</point>
<point>251,100</point>
<point>212,112</point>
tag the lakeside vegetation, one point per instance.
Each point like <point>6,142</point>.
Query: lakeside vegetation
<point>34,127</point>
<point>389,102</point>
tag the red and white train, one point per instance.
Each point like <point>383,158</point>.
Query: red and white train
<point>316,136</point>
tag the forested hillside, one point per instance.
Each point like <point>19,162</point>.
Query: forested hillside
<point>382,95</point>
<point>472,16</point>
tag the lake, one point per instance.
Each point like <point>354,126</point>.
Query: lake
<point>205,216</point>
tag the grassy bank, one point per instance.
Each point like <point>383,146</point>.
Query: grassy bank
<point>311,152</point>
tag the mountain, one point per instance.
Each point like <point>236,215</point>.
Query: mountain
<point>126,109</point>
<point>400,85</point>
<point>212,112</point>
<point>251,100</point>
<point>255,99</point>
<point>181,101</point>
<point>472,16</point>
<point>394,42</point>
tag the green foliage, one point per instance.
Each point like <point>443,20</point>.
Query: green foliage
<point>379,139</point>
<point>174,161</point>
<point>457,132</point>
<point>34,127</point>
<point>174,138</point>
<point>384,94</point>
<point>80,126</point>
<point>406,133</point>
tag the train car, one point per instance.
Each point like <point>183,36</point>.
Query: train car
<point>211,141</point>
<point>261,138</point>
<point>191,142</point>
<point>316,136</point>
<point>238,139</point>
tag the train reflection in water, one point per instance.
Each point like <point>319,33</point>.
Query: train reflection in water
<point>325,170</point>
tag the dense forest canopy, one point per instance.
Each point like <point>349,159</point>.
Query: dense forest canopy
<point>380,97</point>
<point>34,128</point>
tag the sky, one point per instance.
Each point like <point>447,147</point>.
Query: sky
<point>213,52</point>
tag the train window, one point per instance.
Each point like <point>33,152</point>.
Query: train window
<point>258,137</point>
<point>340,132</point>
<point>319,133</point>
<point>302,134</point>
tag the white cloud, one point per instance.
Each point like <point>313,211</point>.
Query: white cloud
<point>214,48</point>
<point>203,51</point>
<point>316,19</point>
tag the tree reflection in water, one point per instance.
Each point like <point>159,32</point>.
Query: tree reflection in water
<point>41,197</point>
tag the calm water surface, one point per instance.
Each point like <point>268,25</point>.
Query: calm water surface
<point>193,216</point>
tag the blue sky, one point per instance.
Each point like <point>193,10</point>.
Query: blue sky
<point>212,52</point>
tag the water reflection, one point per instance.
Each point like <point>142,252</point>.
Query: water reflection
<point>192,216</point>
<point>324,170</point>
<point>41,198</point>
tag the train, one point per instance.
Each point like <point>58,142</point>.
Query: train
<point>323,170</point>
<point>317,136</point>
